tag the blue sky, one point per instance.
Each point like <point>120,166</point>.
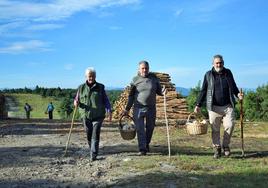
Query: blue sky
<point>51,42</point>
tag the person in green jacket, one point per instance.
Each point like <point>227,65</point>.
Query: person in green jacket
<point>93,104</point>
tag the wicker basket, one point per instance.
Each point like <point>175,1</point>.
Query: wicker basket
<point>128,134</point>
<point>198,127</point>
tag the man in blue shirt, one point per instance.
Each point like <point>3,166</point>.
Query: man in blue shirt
<point>50,109</point>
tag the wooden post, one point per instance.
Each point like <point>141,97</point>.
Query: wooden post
<point>165,109</point>
<point>241,123</point>
<point>69,136</point>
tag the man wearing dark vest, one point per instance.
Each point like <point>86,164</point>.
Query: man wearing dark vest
<point>218,90</point>
<point>28,110</point>
<point>92,103</point>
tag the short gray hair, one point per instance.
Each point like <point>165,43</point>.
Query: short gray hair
<point>218,56</point>
<point>145,63</point>
<point>90,70</point>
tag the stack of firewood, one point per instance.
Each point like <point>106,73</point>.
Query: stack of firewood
<point>120,105</point>
<point>176,106</point>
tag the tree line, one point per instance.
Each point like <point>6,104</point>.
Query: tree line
<point>255,103</point>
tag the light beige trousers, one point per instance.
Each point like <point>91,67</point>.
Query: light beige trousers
<point>226,116</point>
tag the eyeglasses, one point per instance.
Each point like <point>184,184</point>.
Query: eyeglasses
<point>220,62</point>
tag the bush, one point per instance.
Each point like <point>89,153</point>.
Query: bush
<point>192,97</point>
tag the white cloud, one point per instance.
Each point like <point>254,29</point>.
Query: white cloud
<point>25,46</point>
<point>5,28</point>
<point>119,3</point>
<point>23,18</point>
<point>39,27</point>
<point>56,10</point>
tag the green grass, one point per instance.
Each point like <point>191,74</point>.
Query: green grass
<point>37,102</point>
<point>192,164</point>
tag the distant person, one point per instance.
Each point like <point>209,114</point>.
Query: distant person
<point>218,91</point>
<point>28,110</point>
<point>50,109</point>
<point>92,103</point>
<point>143,90</point>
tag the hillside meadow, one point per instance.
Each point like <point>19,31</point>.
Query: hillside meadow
<point>37,102</point>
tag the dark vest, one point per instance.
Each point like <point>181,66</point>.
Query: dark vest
<point>91,104</point>
<point>210,88</point>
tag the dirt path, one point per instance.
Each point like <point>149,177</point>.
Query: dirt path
<point>31,155</point>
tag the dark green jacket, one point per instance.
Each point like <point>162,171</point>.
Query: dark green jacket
<point>91,103</point>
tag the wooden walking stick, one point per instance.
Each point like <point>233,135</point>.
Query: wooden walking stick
<point>165,110</point>
<point>70,132</point>
<point>241,123</point>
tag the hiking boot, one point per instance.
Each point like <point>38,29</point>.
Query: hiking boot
<point>217,152</point>
<point>93,157</point>
<point>226,151</point>
<point>142,153</point>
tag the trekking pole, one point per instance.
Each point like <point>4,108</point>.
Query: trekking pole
<point>165,110</point>
<point>70,132</point>
<point>241,123</point>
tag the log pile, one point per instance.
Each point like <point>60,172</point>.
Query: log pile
<point>3,113</point>
<point>177,111</point>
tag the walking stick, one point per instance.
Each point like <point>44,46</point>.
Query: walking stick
<point>165,110</point>
<point>241,123</point>
<point>69,136</point>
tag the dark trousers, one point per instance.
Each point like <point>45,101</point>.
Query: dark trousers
<point>144,119</point>
<point>93,129</point>
<point>28,114</point>
<point>50,114</point>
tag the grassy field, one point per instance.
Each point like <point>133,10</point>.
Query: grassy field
<point>37,102</point>
<point>192,165</point>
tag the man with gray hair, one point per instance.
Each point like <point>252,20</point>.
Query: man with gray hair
<point>144,88</point>
<point>218,90</point>
<point>93,104</point>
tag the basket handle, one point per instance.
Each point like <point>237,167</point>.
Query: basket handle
<point>120,120</point>
<point>194,115</point>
